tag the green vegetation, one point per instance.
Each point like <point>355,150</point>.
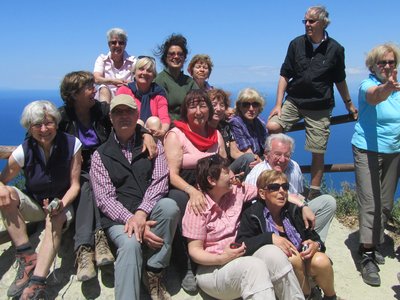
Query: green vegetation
<point>346,201</point>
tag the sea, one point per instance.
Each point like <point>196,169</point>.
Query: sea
<point>339,145</point>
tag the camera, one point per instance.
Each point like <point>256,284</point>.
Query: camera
<point>53,205</point>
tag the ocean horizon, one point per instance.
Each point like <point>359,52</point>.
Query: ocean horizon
<point>339,145</point>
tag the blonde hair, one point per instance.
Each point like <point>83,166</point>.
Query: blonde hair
<point>378,52</point>
<point>248,94</point>
<point>145,62</point>
<point>269,176</point>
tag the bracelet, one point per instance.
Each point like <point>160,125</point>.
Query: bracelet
<point>187,188</point>
<point>347,101</point>
<point>303,205</point>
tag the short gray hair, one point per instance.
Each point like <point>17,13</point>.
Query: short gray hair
<point>36,111</point>
<point>321,13</point>
<point>120,33</point>
<point>280,137</point>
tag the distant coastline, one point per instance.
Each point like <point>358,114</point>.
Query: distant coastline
<point>339,147</point>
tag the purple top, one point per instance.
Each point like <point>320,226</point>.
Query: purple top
<point>87,136</point>
<point>290,230</point>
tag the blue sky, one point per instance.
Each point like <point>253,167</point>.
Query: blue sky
<point>247,40</point>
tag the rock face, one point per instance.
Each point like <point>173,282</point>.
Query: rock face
<point>342,246</point>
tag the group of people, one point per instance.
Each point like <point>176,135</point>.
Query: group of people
<point>157,165</point>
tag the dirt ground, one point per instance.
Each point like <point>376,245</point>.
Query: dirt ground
<point>341,245</point>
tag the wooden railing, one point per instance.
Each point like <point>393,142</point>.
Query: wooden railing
<point>5,151</point>
<point>330,168</point>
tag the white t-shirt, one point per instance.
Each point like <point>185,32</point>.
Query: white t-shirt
<point>19,156</point>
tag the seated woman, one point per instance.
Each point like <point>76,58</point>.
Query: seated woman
<point>150,97</point>
<point>51,163</point>
<point>89,120</point>
<point>113,69</point>
<point>274,220</point>
<point>190,140</point>
<point>200,68</point>
<point>240,162</point>
<point>248,129</point>
<point>173,53</point>
<point>224,272</point>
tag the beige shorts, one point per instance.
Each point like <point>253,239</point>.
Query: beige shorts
<point>31,211</point>
<point>316,122</point>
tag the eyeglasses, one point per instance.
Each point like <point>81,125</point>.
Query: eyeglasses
<point>309,21</point>
<point>173,54</point>
<point>47,124</point>
<point>383,63</point>
<point>274,187</point>
<point>114,43</point>
<point>278,155</point>
<point>248,104</point>
<point>149,57</point>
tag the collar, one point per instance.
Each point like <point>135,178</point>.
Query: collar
<point>125,57</point>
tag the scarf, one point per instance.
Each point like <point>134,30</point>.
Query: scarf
<point>290,230</point>
<point>200,142</point>
<point>145,98</point>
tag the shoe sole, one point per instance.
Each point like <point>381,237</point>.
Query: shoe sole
<point>104,263</point>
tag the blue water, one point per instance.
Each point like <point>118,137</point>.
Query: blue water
<point>339,147</point>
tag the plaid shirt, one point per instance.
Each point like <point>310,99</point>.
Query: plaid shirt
<point>105,192</point>
<point>218,225</point>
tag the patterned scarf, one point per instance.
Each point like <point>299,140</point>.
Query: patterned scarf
<point>290,230</point>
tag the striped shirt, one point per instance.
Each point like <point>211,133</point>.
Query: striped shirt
<point>105,192</point>
<point>217,226</point>
<point>293,173</point>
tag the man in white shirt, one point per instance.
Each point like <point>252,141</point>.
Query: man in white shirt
<point>278,150</point>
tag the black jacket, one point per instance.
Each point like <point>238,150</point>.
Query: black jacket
<point>252,227</point>
<point>101,123</point>
<point>312,73</point>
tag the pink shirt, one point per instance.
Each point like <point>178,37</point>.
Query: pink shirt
<point>217,226</point>
<point>158,104</point>
<point>190,153</point>
<point>105,65</point>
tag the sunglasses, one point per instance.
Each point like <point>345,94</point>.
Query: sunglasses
<point>274,187</point>
<point>121,43</point>
<point>248,104</point>
<point>383,63</point>
<point>173,54</point>
<point>309,21</point>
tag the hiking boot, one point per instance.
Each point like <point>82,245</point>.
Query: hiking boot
<point>156,289</point>
<point>26,266</point>
<point>189,283</point>
<point>379,258</point>
<point>313,193</point>
<point>102,251</point>
<point>370,270</point>
<point>84,259</point>
<point>34,291</point>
